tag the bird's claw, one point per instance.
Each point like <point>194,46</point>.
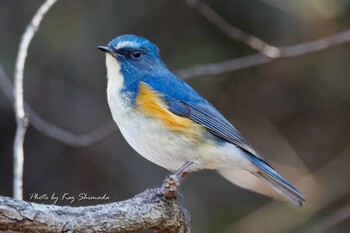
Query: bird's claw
<point>170,186</point>
<point>173,181</point>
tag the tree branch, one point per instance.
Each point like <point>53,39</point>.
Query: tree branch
<point>22,121</point>
<point>52,130</point>
<point>258,59</point>
<point>232,31</point>
<point>149,210</point>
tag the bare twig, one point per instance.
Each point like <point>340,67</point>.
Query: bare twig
<point>52,130</point>
<point>232,31</point>
<point>332,220</point>
<point>223,67</point>
<point>67,137</point>
<point>149,210</point>
<point>21,119</point>
<point>258,59</point>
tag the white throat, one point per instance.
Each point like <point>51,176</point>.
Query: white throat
<point>119,105</point>
<point>115,78</point>
<point>117,102</point>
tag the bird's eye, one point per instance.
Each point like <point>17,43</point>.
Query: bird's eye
<point>136,54</point>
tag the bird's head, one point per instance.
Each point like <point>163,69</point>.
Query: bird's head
<point>135,56</point>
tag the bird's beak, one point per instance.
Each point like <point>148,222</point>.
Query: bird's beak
<point>108,49</point>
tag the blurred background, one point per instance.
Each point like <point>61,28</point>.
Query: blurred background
<point>295,111</point>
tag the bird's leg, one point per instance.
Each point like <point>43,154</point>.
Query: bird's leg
<point>173,181</point>
<point>181,172</point>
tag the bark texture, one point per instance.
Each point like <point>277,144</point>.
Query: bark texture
<point>149,210</point>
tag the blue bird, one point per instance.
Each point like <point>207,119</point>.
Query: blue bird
<point>171,125</point>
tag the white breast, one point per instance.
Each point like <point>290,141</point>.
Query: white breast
<point>155,142</point>
<point>119,104</point>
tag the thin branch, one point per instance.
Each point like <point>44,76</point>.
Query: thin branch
<point>332,220</point>
<point>66,137</point>
<point>223,67</point>
<point>258,59</point>
<point>52,130</point>
<point>149,210</point>
<point>232,31</point>
<point>22,121</point>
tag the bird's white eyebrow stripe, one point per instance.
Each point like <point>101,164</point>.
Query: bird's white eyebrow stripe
<point>123,44</point>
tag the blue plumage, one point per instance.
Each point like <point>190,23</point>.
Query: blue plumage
<point>137,61</point>
<point>276,181</point>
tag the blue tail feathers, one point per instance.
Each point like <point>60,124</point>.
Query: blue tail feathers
<point>276,181</point>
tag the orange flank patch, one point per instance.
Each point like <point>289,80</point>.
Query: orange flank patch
<point>151,104</point>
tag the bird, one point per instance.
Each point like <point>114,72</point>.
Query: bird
<point>167,122</point>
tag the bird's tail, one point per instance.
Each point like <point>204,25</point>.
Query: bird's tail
<point>267,174</point>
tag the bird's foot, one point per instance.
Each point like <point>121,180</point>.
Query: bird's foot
<point>173,181</point>
<point>170,186</point>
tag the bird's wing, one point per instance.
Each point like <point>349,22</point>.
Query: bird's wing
<point>206,115</point>
<point>183,101</point>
